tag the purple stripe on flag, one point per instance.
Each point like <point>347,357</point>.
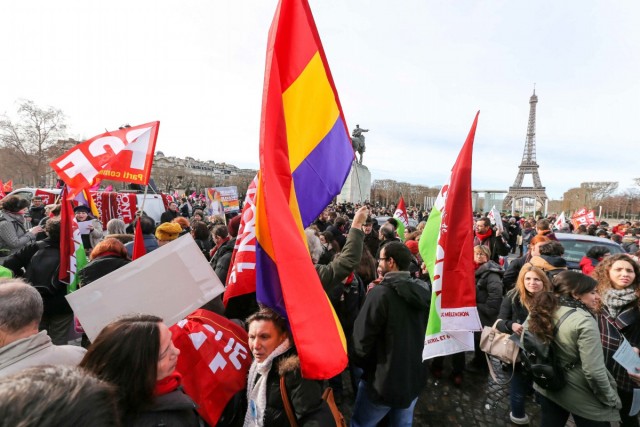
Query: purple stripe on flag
<point>268,290</point>
<point>320,177</point>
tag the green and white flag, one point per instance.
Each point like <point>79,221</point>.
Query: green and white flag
<point>446,246</point>
<point>78,258</point>
<point>402,219</point>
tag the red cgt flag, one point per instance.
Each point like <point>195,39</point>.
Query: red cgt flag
<point>123,155</point>
<point>214,360</point>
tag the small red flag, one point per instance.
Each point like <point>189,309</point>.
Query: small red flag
<point>66,236</point>
<point>138,242</point>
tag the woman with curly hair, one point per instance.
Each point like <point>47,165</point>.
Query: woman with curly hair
<point>513,313</point>
<point>590,391</point>
<point>618,317</point>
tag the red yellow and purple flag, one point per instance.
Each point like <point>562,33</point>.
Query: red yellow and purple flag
<point>305,157</point>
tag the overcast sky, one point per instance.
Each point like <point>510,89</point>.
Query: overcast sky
<point>413,72</point>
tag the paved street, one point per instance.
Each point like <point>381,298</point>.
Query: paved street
<point>479,402</point>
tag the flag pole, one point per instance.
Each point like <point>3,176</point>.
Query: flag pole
<point>144,198</point>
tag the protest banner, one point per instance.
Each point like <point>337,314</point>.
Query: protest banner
<point>583,217</point>
<point>222,200</point>
<point>495,218</point>
<point>170,282</point>
<point>48,197</point>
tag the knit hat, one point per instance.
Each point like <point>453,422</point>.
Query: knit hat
<point>234,225</point>
<point>168,231</point>
<point>82,208</point>
<point>412,245</point>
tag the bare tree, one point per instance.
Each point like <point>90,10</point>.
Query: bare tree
<point>597,191</point>
<point>31,139</point>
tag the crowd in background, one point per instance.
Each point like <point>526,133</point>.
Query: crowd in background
<point>379,288</point>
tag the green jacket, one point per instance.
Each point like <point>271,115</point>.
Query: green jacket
<point>591,390</point>
<point>332,274</point>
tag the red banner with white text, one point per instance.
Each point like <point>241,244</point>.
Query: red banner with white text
<point>214,360</point>
<point>116,205</point>
<point>241,278</point>
<point>124,155</point>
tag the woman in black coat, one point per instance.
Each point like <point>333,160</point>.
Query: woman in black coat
<point>488,296</point>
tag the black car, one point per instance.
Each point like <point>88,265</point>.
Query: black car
<point>577,245</point>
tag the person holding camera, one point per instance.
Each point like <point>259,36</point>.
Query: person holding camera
<point>14,231</point>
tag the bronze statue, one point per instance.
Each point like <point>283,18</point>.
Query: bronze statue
<point>357,140</point>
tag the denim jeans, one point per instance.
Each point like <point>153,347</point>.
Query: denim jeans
<point>553,415</point>
<point>521,386</point>
<point>368,414</point>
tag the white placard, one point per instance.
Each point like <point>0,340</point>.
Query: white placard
<point>170,282</point>
<point>83,227</point>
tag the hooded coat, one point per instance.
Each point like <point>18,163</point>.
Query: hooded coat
<point>549,264</point>
<point>388,339</point>
<point>590,390</point>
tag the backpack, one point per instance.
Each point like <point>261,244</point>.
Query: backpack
<point>47,260</point>
<point>553,273</point>
<point>539,361</point>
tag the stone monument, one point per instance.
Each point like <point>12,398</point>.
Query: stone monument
<point>357,187</point>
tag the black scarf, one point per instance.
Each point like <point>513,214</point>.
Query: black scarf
<point>574,303</point>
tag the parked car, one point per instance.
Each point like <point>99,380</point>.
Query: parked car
<point>577,245</point>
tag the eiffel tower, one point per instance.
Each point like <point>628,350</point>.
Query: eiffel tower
<point>528,165</point>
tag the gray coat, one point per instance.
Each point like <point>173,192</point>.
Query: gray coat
<point>37,350</point>
<point>591,390</point>
<point>13,234</point>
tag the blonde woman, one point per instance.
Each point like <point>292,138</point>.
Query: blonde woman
<point>513,312</point>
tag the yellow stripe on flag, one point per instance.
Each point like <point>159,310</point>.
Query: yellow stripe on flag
<point>310,111</point>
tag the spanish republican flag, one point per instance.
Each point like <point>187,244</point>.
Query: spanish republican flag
<point>305,157</point>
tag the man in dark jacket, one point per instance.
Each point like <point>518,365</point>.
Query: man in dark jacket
<point>170,214</point>
<point>387,235</point>
<point>388,340</point>
<point>338,229</point>
<point>371,239</point>
<point>223,251</point>
<point>487,236</point>
<point>36,211</point>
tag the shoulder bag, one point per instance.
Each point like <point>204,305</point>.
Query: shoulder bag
<point>499,345</point>
<point>327,396</point>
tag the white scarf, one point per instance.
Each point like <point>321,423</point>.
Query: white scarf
<point>257,390</point>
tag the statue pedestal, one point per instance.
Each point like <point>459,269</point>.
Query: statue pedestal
<point>357,187</point>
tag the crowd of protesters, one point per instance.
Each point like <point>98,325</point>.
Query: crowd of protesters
<point>380,290</point>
